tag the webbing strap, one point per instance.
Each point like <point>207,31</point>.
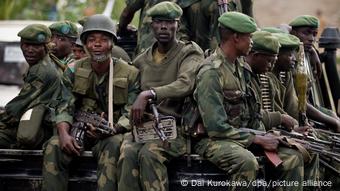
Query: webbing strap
<point>110,109</point>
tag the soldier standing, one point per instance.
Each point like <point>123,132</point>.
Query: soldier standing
<point>64,36</point>
<point>168,70</point>
<point>22,125</point>
<point>92,92</point>
<point>227,103</point>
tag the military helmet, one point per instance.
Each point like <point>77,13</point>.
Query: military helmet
<point>98,22</point>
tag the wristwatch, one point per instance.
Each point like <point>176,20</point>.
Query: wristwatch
<point>153,93</point>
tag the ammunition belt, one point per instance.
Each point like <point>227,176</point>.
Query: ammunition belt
<point>266,93</point>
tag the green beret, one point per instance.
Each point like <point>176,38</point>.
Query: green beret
<point>272,30</point>
<point>265,42</point>
<point>238,22</point>
<point>65,28</point>
<point>165,10</point>
<point>305,21</point>
<point>35,33</point>
<point>287,41</point>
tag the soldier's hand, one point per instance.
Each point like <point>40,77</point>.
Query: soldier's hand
<point>268,142</point>
<point>138,107</point>
<point>288,122</point>
<point>303,129</point>
<point>68,144</point>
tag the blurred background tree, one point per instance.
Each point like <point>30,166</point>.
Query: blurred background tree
<point>54,10</point>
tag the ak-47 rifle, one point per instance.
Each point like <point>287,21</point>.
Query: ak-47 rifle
<point>80,126</point>
<point>327,150</point>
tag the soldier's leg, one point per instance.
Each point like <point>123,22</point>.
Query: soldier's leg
<point>152,156</point>
<point>7,137</point>
<point>106,152</point>
<point>55,166</point>
<point>239,163</point>
<point>128,165</point>
<point>291,171</point>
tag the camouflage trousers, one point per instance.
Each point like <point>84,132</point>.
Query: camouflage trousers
<point>142,166</point>
<point>56,164</point>
<point>242,166</point>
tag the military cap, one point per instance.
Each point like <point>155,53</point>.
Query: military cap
<point>265,42</point>
<point>287,41</point>
<point>65,28</point>
<point>35,33</point>
<point>238,22</point>
<point>165,10</point>
<point>272,30</point>
<point>305,21</point>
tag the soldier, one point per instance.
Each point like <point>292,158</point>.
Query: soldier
<point>202,17</point>
<point>266,48</point>
<point>91,92</point>
<point>23,124</point>
<point>282,74</point>
<point>168,70</point>
<point>145,37</point>
<point>227,103</point>
<point>64,36</point>
<point>78,48</point>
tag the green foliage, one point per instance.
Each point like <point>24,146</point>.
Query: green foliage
<point>72,10</point>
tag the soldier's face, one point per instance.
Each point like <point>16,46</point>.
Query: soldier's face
<point>286,60</point>
<point>33,53</point>
<point>243,43</point>
<point>307,35</point>
<point>99,46</point>
<point>164,30</point>
<point>262,62</point>
<point>60,46</point>
<point>78,52</point>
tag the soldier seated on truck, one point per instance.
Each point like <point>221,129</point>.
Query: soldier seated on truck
<point>99,84</point>
<point>26,121</point>
<point>227,102</point>
<point>168,70</point>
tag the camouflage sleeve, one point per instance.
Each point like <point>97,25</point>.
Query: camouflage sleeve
<point>133,91</point>
<point>290,99</point>
<point>185,82</point>
<point>30,91</point>
<point>66,100</point>
<point>209,96</point>
<point>271,119</point>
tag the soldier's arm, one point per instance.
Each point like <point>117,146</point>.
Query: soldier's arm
<point>209,96</point>
<point>132,6</point>
<point>185,82</point>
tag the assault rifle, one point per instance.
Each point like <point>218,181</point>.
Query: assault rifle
<point>328,150</point>
<point>80,126</point>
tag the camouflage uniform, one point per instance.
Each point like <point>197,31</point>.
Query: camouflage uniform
<point>220,87</point>
<point>200,18</point>
<point>91,94</point>
<point>20,125</point>
<point>42,85</point>
<point>142,166</point>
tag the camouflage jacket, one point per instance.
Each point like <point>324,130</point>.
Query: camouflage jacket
<point>174,78</point>
<point>42,85</point>
<point>89,91</point>
<point>62,64</point>
<point>287,100</point>
<point>226,101</point>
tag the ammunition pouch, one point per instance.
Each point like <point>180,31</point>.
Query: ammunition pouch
<point>30,132</point>
<point>146,132</point>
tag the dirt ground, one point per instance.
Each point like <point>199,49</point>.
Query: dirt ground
<point>274,12</point>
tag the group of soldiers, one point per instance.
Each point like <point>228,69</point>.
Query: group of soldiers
<point>72,71</point>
